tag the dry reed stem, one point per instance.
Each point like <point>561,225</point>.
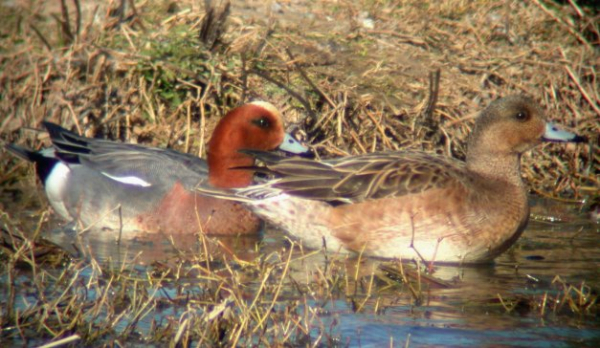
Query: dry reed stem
<point>142,76</point>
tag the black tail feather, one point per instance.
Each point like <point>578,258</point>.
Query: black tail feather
<point>22,152</point>
<point>43,164</point>
<point>68,144</point>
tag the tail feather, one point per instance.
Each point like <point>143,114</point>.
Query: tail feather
<point>22,152</point>
<point>44,160</point>
<point>68,144</point>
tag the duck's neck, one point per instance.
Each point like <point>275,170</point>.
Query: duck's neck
<point>221,172</point>
<point>493,166</point>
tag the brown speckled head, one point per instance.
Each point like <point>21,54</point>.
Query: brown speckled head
<point>508,126</point>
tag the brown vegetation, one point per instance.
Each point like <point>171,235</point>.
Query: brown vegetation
<point>350,76</point>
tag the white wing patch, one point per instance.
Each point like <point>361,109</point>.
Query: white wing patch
<point>128,180</point>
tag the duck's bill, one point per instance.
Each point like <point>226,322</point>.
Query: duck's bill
<point>555,134</point>
<point>292,145</point>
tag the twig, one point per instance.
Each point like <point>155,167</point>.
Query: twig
<point>575,79</point>
<point>434,91</point>
<point>61,342</point>
<point>405,38</point>
<point>293,93</point>
<point>78,16</point>
<point>308,80</point>
<point>563,23</point>
<point>65,23</point>
<point>39,34</point>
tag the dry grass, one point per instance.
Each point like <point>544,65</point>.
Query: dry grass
<point>199,300</point>
<point>281,298</point>
<point>145,76</point>
<point>350,77</point>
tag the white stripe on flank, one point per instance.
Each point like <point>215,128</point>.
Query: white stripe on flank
<point>128,180</point>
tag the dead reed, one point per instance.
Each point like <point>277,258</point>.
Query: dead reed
<point>351,77</point>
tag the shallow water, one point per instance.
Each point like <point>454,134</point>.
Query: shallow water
<point>468,312</point>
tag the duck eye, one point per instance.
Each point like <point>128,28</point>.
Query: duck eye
<point>262,122</point>
<point>521,116</point>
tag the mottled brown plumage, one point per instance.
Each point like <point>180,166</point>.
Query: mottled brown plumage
<point>412,204</point>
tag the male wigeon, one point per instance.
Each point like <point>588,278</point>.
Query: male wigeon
<point>411,205</point>
<point>133,188</point>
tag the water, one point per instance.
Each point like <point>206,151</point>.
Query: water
<point>496,305</point>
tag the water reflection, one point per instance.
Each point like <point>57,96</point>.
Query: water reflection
<point>106,247</point>
<point>467,306</point>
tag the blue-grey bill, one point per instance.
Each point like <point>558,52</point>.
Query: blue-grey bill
<point>555,134</point>
<point>292,145</point>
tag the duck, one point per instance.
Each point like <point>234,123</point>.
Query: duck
<point>137,190</point>
<point>410,205</point>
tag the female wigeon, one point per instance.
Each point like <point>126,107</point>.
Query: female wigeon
<point>411,205</point>
<point>133,188</point>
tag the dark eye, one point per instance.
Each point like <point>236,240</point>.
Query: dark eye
<point>262,122</point>
<point>522,116</point>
